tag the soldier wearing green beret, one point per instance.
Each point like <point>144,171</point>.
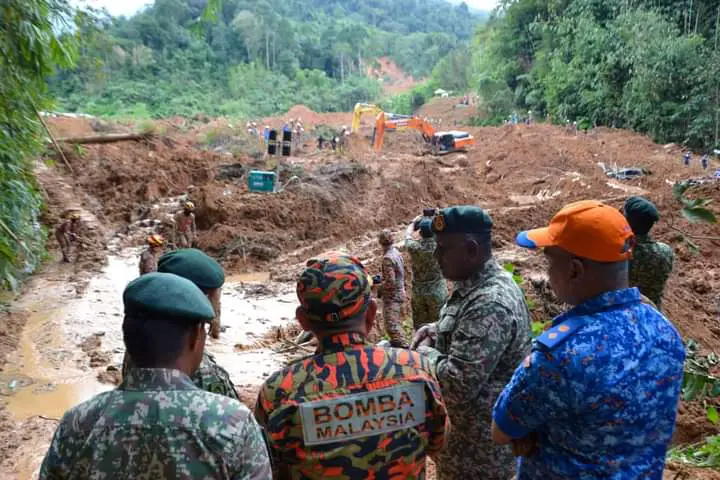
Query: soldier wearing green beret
<point>652,262</point>
<point>209,276</point>
<point>203,271</point>
<point>353,409</point>
<point>157,424</point>
<point>482,335</point>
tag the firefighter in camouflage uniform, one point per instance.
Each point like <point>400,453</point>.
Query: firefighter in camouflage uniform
<point>351,410</point>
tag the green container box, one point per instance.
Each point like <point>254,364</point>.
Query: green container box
<point>260,181</point>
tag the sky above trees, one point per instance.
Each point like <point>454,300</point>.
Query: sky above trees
<point>128,7</point>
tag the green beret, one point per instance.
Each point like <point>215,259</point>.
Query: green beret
<point>641,214</point>
<point>169,296</point>
<point>462,219</point>
<point>194,265</point>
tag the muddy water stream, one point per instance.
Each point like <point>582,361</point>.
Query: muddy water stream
<point>51,371</point>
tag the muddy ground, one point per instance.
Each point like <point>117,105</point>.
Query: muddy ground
<point>331,201</point>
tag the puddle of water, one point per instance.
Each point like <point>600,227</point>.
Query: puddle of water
<point>250,277</point>
<point>61,376</point>
<point>52,400</point>
<point>48,352</point>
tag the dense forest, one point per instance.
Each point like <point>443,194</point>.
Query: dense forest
<point>30,52</point>
<point>255,57</point>
<point>647,65</point>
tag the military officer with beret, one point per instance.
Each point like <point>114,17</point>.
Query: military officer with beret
<point>353,409</point>
<point>209,276</point>
<point>597,397</point>
<point>482,334</point>
<point>157,424</point>
<point>652,262</point>
<point>203,271</point>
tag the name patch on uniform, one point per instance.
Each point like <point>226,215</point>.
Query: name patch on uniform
<point>363,414</point>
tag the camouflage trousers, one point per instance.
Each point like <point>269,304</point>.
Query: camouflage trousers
<point>184,240</point>
<point>393,323</point>
<point>426,308</point>
<point>65,245</point>
<point>215,324</point>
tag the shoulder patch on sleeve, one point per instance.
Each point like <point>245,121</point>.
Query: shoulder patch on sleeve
<point>557,335</point>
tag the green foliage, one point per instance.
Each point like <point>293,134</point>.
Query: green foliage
<point>537,328</point>
<point>30,49</point>
<point>408,102</point>
<point>634,65</point>
<point>700,385</point>
<point>705,454</point>
<point>693,210</point>
<point>252,58</point>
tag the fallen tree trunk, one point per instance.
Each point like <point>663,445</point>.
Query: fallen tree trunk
<point>122,137</point>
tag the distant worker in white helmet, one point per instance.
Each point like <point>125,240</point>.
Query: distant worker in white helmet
<point>184,229</point>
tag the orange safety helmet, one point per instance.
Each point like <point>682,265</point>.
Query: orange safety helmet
<point>156,240</point>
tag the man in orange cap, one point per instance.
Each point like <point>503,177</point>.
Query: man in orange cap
<point>597,397</point>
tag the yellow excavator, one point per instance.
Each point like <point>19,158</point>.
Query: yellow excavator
<point>437,143</point>
<point>361,108</point>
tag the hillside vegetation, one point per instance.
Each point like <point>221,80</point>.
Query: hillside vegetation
<point>647,65</point>
<point>256,57</point>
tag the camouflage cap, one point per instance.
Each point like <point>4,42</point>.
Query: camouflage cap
<point>168,296</point>
<point>334,289</point>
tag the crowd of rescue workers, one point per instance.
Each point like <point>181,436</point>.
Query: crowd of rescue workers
<point>593,397</point>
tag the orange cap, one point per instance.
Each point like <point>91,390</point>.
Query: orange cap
<point>588,229</point>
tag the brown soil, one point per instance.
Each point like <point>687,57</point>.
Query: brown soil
<point>521,174</point>
<point>393,78</point>
<point>11,324</point>
<point>449,111</point>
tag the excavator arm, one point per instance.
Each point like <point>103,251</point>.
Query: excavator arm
<point>415,123</point>
<point>361,108</point>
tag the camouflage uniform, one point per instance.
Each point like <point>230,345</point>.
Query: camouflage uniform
<point>393,296</point>
<point>209,376</point>
<point>353,410</point>
<point>483,334</point>
<point>65,235</point>
<point>157,424</point>
<point>148,261</point>
<point>184,229</point>
<point>429,290</point>
<point>650,267</point>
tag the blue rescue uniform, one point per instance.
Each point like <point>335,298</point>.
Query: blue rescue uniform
<point>600,389</point>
